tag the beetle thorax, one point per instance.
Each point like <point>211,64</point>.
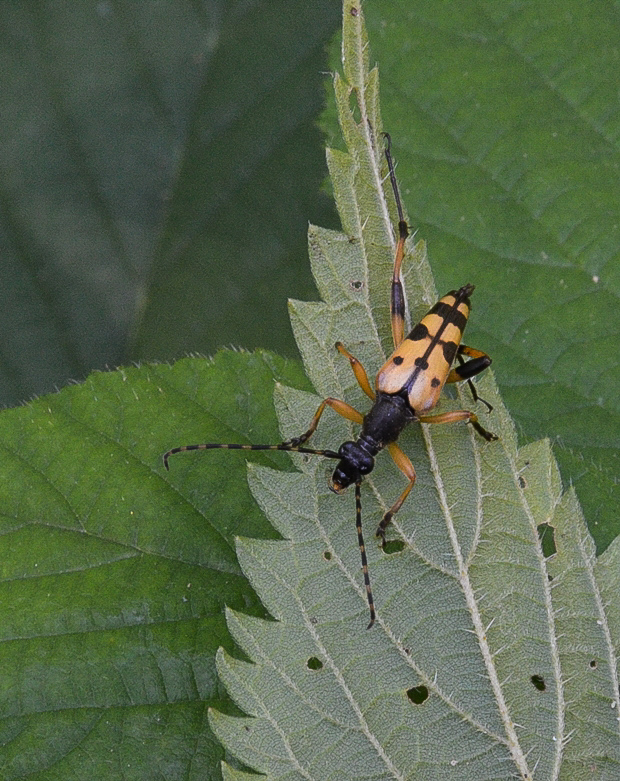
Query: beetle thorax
<point>385,420</point>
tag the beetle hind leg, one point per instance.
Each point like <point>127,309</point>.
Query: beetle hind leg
<point>478,362</point>
<point>457,415</point>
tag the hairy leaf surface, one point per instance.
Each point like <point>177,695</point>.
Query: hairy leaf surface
<point>489,659</point>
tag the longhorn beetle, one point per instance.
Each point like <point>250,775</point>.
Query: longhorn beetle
<point>407,387</point>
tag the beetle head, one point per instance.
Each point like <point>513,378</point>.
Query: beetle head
<point>354,463</point>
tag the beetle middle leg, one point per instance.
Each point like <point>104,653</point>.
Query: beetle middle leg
<point>341,407</point>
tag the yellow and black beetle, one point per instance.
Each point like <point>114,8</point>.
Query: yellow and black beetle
<point>407,387</point>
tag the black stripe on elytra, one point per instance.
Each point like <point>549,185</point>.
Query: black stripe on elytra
<point>450,315</point>
<point>420,331</point>
<point>449,351</point>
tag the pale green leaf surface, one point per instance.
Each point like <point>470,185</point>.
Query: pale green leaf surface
<point>232,774</point>
<point>501,638</point>
<point>588,642</point>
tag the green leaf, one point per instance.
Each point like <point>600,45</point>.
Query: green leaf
<point>505,123</point>
<point>489,659</point>
<point>114,574</point>
<point>160,162</point>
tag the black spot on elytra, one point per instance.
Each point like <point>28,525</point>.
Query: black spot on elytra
<point>450,315</point>
<point>435,382</point>
<point>440,308</point>
<point>398,359</point>
<point>421,362</point>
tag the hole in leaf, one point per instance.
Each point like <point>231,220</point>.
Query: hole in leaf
<point>593,664</point>
<point>353,106</point>
<point>314,663</point>
<point>393,546</point>
<point>327,555</point>
<point>546,535</point>
<point>522,482</point>
<point>539,682</point>
<point>418,695</point>
<point>356,284</point>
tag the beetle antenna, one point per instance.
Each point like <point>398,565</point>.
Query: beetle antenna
<point>360,539</point>
<point>288,446</point>
<point>390,162</point>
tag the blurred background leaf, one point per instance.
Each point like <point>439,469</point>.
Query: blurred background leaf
<point>160,161</point>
